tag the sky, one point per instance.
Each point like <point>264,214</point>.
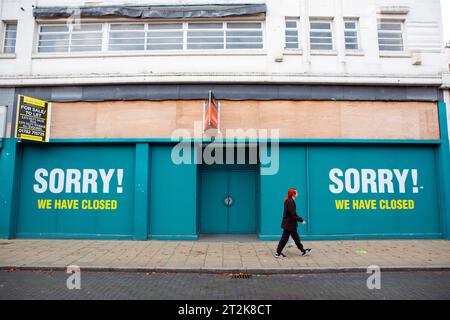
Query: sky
<point>445,9</point>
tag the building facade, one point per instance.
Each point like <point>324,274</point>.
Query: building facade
<point>341,99</point>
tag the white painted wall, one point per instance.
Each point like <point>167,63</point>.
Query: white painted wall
<point>423,32</point>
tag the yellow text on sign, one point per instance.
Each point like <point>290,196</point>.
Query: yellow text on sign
<point>372,204</point>
<point>75,204</point>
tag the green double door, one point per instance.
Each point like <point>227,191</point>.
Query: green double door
<point>228,201</point>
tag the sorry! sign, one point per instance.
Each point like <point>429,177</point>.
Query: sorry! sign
<point>354,181</point>
<point>76,181</point>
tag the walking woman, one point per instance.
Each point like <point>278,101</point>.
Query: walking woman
<point>289,225</point>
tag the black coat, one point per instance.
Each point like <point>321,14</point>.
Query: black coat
<point>290,216</point>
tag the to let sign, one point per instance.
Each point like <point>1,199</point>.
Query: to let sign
<point>33,119</point>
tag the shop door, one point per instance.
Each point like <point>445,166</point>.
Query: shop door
<point>228,201</point>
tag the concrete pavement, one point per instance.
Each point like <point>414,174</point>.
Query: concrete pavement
<point>213,256</point>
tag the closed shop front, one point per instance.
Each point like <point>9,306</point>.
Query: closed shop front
<point>140,170</point>
<point>127,105</point>
<point>345,191</point>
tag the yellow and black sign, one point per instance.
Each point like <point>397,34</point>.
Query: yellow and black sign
<point>33,119</point>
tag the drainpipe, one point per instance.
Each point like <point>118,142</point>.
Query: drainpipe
<point>339,34</point>
<point>304,16</point>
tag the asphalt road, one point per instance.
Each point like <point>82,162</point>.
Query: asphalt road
<point>174,286</point>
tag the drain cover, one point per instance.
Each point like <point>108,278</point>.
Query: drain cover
<point>240,275</point>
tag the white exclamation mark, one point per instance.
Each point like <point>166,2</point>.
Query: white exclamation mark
<point>414,178</point>
<point>119,180</point>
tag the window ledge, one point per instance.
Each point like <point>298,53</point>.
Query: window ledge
<point>384,54</point>
<point>7,55</point>
<point>324,52</point>
<point>292,52</point>
<point>354,53</point>
<point>149,53</point>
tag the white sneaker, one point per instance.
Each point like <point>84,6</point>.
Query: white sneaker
<point>307,252</point>
<point>281,255</point>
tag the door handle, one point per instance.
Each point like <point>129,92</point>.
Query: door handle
<point>228,201</point>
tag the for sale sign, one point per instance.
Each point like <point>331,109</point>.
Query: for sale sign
<point>33,119</point>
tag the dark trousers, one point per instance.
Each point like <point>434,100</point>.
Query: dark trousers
<point>285,237</point>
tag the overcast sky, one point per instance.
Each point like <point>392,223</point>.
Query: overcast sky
<point>446,18</point>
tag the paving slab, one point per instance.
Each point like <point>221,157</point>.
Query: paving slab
<point>219,256</point>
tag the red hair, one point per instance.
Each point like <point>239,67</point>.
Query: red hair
<point>291,193</point>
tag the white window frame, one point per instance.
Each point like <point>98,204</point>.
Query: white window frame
<point>52,24</point>
<point>182,30</point>
<point>70,32</point>
<point>223,29</point>
<point>251,49</point>
<point>106,26</point>
<point>402,31</point>
<point>322,20</point>
<point>3,37</point>
<point>358,34</point>
<point>299,34</point>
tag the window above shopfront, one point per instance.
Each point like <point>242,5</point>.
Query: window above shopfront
<point>132,36</point>
<point>390,36</point>
<point>351,34</point>
<point>292,33</point>
<point>321,34</point>
<point>150,28</point>
<point>9,37</point>
<point>70,38</point>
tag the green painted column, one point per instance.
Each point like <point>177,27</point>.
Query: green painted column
<point>141,192</point>
<point>173,200</point>
<point>291,174</point>
<point>9,171</point>
<point>443,159</point>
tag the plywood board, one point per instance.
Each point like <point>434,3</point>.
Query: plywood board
<point>293,119</point>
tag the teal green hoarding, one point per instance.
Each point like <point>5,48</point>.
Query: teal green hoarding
<point>135,191</point>
<point>373,191</point>
<point>355,192</point>
<point>173,196</point>
<point>76,191</point>
<point>291,174</point>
